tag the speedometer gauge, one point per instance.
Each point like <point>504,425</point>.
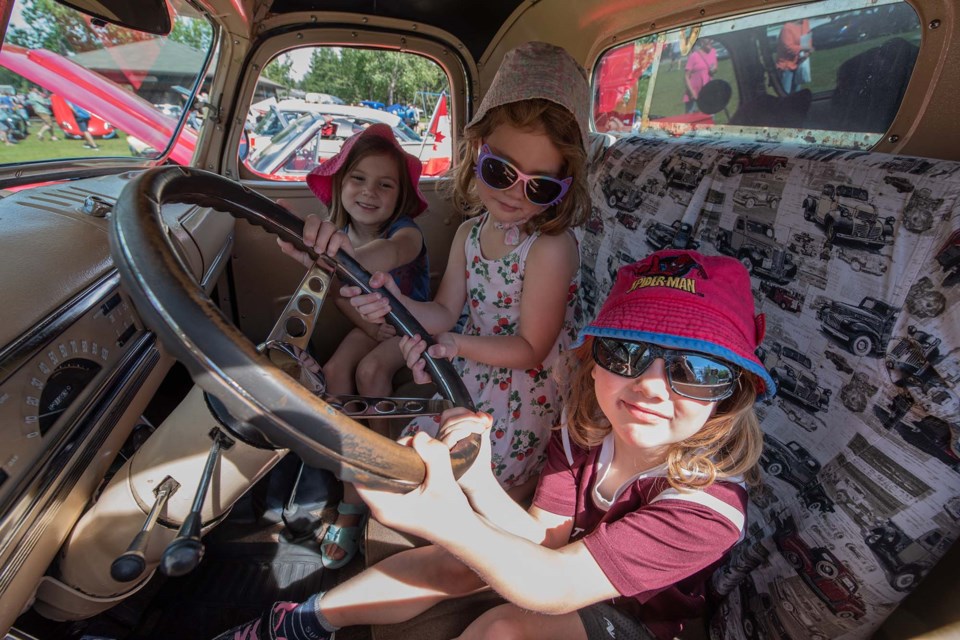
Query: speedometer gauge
<point>66,381</point>
<point>55,375</point>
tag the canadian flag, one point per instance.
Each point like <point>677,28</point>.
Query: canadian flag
<point>439,128</point>
<point>440,123</point>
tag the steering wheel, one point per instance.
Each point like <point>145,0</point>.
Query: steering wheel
<point>223,362</point>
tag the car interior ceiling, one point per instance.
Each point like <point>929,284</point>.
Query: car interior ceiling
<point>262,549</point>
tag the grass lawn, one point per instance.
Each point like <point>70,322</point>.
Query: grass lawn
<point>30,149</point>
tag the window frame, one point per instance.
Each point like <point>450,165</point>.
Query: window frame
<point>457,68</point>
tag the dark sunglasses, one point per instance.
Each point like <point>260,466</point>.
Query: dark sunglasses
<point>499,174</point>
<point>691,374</point>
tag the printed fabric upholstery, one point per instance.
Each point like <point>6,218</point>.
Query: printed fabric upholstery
<point>855,260</point>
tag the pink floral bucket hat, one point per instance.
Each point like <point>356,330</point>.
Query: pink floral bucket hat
<point>540,70</point>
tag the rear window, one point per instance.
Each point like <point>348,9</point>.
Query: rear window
<point>822,73</point>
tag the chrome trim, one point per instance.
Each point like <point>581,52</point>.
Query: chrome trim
<point>29,511</point>
<point>218,260</point>
<point>21,350</point>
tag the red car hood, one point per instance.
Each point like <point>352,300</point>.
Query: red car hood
<point>124,110</point>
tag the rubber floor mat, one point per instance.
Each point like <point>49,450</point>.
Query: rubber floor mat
<point>235,582</point>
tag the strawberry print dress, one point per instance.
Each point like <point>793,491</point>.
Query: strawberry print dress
<point>525,404</point>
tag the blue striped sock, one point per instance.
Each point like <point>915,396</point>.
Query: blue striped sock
<point>306,622</point>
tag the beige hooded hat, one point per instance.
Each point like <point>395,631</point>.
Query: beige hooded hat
<point>540,70</point>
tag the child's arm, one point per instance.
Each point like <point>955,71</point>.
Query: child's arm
<point>385,254</point>
<point>436,316</point>
<point>486,496</point>
<point>534,577</point>
<point>551,265</point>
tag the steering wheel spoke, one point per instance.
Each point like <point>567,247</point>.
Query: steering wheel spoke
<point>298,320</point>
<point>369,408</point>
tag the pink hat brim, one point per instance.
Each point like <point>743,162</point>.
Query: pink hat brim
<point>320,179</point>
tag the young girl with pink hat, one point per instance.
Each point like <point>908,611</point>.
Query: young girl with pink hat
<point>371,188</point>
<point>642,496</point>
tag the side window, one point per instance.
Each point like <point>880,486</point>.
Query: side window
<point>310,100</point>
<point>807,74</point>
<point>72,87</point>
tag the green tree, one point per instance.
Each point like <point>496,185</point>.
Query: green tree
<point>371,74</point>
<point>279,71</point>
<point>193,32</point>
<point>62,30</point>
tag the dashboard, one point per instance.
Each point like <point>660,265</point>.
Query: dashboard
<point>77,364</point>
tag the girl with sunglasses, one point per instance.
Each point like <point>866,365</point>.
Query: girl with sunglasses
<point>642,496</point>
<point>515,263</point>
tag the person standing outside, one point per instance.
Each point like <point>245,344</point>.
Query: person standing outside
<point>82,116</point>
<point>701,66</point>
<point>793,51</point>
<point>41,107</point>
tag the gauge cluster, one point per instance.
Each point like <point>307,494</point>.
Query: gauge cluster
<point>36,397</point>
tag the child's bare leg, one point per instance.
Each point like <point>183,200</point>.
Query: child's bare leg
<point>508,621</point>
<point>339,369</point>
<point>399,588</point>
<point>374,378</point>
<point>375,375</point>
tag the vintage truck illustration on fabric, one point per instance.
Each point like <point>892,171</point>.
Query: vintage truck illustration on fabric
<point>685,169</point>
<point>912,356</point>
<point>756,193</point>
<point>620,191</point>
<point>793,374</point>
<point>864,329</point>
<point>864,261</point>
<point>678,235</point>
<point>785,298</point>
<point>846,213</point>
<point>753,243</point>
<point>735,163</point>
<point>827,577</point>
<point>904,560</point>
<point>793,464</point>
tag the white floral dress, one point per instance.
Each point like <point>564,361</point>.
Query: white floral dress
<point>525,404</point>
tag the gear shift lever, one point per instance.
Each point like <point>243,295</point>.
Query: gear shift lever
<point>184,552</point>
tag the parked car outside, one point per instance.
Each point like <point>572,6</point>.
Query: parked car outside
<point>318,135</point>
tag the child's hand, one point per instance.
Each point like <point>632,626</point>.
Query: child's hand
<point>430,510</point>
<point>413,348</point>
<point>459,423</point>
<point>385,332</point>
<point>322,236</point>
<point>372,307</point>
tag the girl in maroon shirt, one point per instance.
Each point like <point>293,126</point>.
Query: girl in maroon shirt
<point>641,496</point>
